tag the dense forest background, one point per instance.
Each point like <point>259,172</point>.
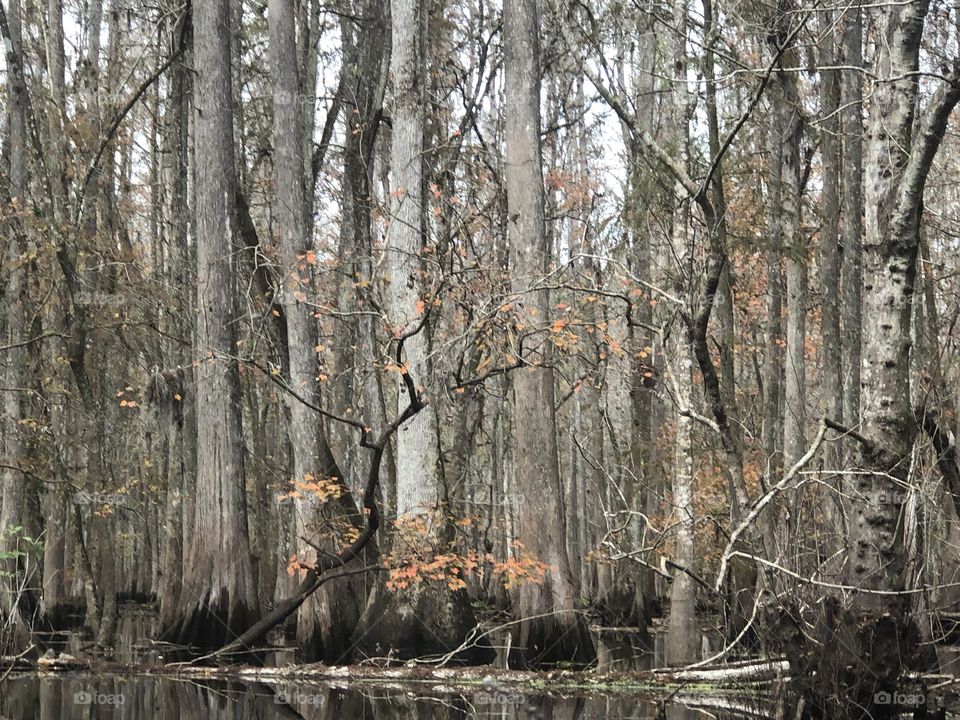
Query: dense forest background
<point>388,322</point>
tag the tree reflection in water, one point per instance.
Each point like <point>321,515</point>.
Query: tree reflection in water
<point>82,697</point>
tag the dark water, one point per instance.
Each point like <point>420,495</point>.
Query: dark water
<point>150,697</point>
<point>618,649</point>
<point>158,698</point>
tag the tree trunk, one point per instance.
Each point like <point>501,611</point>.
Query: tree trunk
<point>425,618</point>
<point>175,389</point>
<point>830,254</point>
<point>218,600</point>
<point>327,618</point>
<point>874,635</point>
<point>683,640</point>
<point>13,483</point>
<point>851,115</point>
<point>788,131</point>
<point>550,630</point>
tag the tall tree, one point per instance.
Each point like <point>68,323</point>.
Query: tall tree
<point>830,238</point>
<point>788,124</point>
<point>13,482</point>
<point>876,629</point>
<point>428,617</point>
<point>851,115</point>
<point>218,599</point>
<point>321,500</point>
<point>682,640</point>
<point>550,629</point>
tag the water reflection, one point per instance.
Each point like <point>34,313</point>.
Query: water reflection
<point>81,697</point>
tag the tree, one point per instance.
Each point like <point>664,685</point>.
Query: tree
<point>550,628</point>
<point>217,601</point>
<point>876,629</point>
<point>321,500</point>
<point>682,637</point>
<point>426,617</point>
<point>13,485</point>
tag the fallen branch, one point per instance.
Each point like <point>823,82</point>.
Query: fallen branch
<point>730,646</point>
<point>755,670</point>
<point>316,575</point>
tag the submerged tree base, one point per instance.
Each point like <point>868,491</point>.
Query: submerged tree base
<point>552,640</point>
<point>327,620</point>
<point>422,621</point>
<point>207,623</point>
<point>857,666</point>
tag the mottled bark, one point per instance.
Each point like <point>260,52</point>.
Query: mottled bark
<point>13,483</point>
<point>173,392</point>
<point>789,129</point>
<point>851,117</point>
<point>425,618</point>
<point>830,249</point>
<point>772,430</point>
<point>877,636</point>
<point>357,384</point>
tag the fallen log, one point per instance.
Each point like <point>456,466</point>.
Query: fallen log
<point>739,671</point>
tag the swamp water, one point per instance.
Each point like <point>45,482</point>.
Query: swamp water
<point>138,697</point>
<point>143,695</point>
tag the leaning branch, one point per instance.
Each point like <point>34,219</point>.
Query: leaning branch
<point>317,574</point>
<point>946,455</point>
<point>638,132</point>
<point>119,118</point>
<point>765,500</point>
<point>924,150</point>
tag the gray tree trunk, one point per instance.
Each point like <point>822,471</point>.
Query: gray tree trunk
<point>788,130</point>
<point>326,620</point>
<point>550,630</point>
<point>875,630</point>
<point>13,482</point>
<point>218,600</point>
<point>426,618</point>
<point>851,117</point>
<point>683,640</point>
<point>830,249</point>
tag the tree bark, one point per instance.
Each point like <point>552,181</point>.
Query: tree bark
<point>218,600</point>
<point>550,630</point>
<point>13,483</point>
<point>683,640</point>
<point>851,118</point>
<point>830,252</point>
<point>876,633</point>
<point>787,131</point>
<point>326,620</point>
<point>425,618</point>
